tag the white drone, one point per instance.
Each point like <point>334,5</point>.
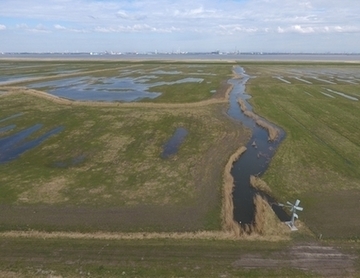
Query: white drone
<point>293,209</point>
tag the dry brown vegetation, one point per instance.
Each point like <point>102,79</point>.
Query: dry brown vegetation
<point>273,131</point>
<point>259,184</point>
<point>266,222</point>
<point>229,224</point>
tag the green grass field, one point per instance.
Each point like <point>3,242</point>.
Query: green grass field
<point>104,175</point>
<point>319,159</point>
<point>107,160</point>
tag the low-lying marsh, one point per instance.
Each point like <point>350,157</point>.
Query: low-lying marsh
<point>120,81</point>
<point>121,171</point>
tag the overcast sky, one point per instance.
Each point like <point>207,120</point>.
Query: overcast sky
<point>184,25</point>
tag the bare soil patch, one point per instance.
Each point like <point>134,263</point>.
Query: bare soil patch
<point>326,261</point>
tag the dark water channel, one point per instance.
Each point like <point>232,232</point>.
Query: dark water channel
<point>254,161</point>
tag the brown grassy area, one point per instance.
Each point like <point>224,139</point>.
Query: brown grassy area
<point>227,204</point>
<point>272,131</point>
<point>266,222</point>
<point>259,184</point>
<point>266,225</point>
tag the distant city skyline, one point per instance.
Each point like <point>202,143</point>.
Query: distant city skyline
<point>291,26</point>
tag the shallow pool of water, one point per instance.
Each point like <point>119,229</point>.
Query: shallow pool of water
<point>107,89</point>
<point>6,128</point>
<point>171,147</point>
<point>11,117</point>
<point>12,146</point>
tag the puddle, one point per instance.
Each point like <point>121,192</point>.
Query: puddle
<point>11,117</point>
<point>145,78</point>
<point>7,128</point>
<point>101,89</point>
<point>282,79</point>
<point>11,147</point>
<point>166,72</point>
<point>328,95</point>
<point>347,81</point>
<point>343,95</point>
<point>74,162</point>
<point>171,147</point>
<point>184,80</point>
<point>323,80</point>
<point>7,80</point>
<point>303,80</point>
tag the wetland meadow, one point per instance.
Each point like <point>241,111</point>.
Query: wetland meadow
<point>112,168</point>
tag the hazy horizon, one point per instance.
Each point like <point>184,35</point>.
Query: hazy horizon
<point>313,26</point>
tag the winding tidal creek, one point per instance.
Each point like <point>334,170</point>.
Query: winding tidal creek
<point>255,160</point>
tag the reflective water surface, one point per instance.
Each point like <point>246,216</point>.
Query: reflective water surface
<point>254,161</point>
<point>14,145</point>
<point>171,147</point>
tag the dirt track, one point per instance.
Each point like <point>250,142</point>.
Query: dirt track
<point>321,260</point>
<point>47,257</point>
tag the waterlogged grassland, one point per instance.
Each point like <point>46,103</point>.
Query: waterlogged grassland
<point>108,160</point>
<point>319,159</point>
<point>210,75</point>
<point>104,173</point>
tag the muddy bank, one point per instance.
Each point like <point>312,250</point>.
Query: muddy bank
<point>229,224</point>
<point>260,149</point>
<point>273,131</point>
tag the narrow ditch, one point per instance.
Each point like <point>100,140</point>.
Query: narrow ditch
<point>255,160</point>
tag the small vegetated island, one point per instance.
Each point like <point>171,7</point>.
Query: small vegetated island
<point>120,150</point>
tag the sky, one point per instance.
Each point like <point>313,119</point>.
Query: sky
<point>316,26</point>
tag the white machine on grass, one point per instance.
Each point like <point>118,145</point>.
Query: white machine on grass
<point>293,208</point>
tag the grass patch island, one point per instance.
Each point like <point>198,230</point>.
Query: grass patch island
<point>99,195</point>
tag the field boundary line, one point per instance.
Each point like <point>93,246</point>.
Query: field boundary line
<point>64,101</point>
<point>201,235</point>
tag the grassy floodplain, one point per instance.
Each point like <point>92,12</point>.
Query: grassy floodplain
<point>319,159</point>
<point>105,170</point>
<point>103,174</point>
